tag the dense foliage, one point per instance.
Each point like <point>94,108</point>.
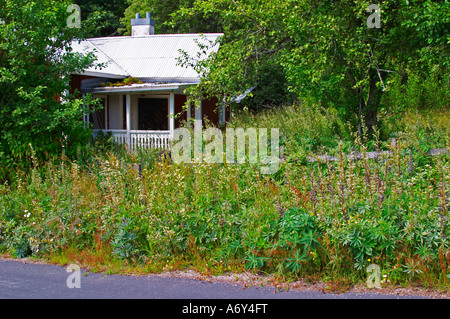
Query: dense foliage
<point>106,13</point>
<point>328,220</point>
<point>164,13</point>
<point>329,53</point>
<point>36,117</point>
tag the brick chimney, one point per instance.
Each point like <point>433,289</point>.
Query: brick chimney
<point>144,26</point>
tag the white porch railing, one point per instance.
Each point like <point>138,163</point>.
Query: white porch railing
<point>150,139</point>
<point>140,139</point>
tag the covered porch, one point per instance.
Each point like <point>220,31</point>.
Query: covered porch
<point>144,115</point>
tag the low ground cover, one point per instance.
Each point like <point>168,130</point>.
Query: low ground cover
<point>316,220</point>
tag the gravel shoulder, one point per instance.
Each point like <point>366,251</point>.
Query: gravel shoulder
<point>253,280</point>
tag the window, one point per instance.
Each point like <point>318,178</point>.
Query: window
<point>153,114</point>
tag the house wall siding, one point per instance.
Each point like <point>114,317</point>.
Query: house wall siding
<point>76,80</point>
<point>210,112</point>
<point>180,100</point>
<point>115,112</point>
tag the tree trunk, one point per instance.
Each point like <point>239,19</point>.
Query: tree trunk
<point>370,108</point>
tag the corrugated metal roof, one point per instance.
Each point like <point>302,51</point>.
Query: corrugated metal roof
<point>112,69</point>
<point>153,57</point>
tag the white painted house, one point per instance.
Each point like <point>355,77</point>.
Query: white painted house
<point>141,115</point>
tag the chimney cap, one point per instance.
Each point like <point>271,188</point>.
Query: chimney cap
<point>143,21</point>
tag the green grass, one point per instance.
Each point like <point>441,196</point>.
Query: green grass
<point>322,221</point>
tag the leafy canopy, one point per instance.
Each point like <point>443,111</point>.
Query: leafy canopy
<point>36,61</point>
<point>106,13</point>
<point>165,12</point>
<point>326,49</point>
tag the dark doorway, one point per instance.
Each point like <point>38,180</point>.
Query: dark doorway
<point>153,114</point>
<point>98,117</point>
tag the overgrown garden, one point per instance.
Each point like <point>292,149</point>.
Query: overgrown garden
<point>316,219</point>
<point>330,84</point>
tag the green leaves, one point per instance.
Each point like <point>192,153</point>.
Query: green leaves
<point>35,68</point>
<point>174,16</point>
<point>299,234</point>
<point>297,262</point>
<point>254,261</point>
<point>326,50</point>
<point>127,242</point>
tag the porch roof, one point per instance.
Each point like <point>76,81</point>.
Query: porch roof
<point>135,88</point>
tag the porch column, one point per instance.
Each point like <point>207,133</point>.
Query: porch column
<point>172,114</point>
<point>198,115</point>
<point>222,111</point>
<point>128,107</point>
<point>106,112</point>
<point>188,115</point>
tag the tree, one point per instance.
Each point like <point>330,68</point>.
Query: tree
<point>36,118</point>
<point>422,78</point>
<point>165,15</point>
<point>328,50</point>
<point>107,13</point>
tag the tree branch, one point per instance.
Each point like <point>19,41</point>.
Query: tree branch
<point>377,69</point>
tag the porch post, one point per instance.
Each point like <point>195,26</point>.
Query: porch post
<point>106,112</point>
<point>172,114</point>
<point>222,111</point>
<point>198,115</point>
<point>188,115</point>
<point>128,106</point>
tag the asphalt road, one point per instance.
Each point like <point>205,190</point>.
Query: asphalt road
<point>170,297</point>
<point>26,280</point>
